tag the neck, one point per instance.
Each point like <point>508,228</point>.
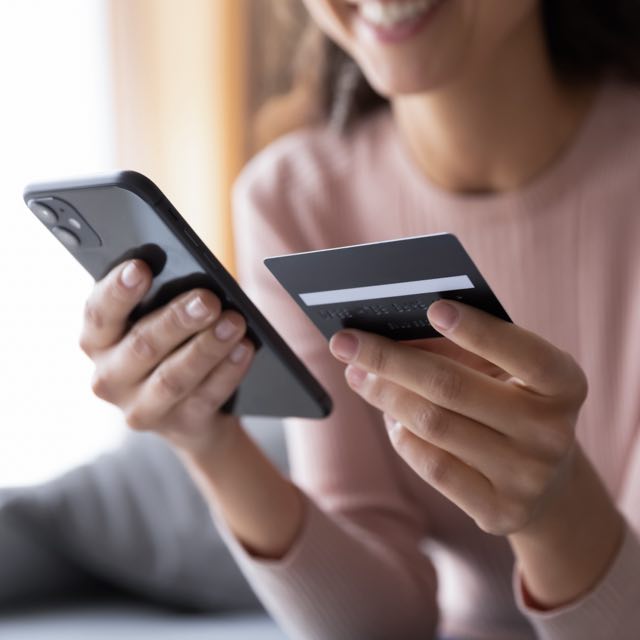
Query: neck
<point>499,124</point>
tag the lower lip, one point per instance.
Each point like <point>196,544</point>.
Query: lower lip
<point>401,31</point>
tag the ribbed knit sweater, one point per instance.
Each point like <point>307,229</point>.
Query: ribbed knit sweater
<point>381,554</point>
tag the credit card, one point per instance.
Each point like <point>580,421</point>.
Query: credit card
<point>384,287</point>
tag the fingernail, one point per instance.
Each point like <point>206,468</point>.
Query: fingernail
<point>443,315</point>
<point>225,329</point>
<point>355,376</point>
<point>239,351</point>
<point>344,345</point>
<point>131,275</point>
<point>395,431</point>
<point>196,308</point>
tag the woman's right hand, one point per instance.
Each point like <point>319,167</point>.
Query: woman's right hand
<point>174,368</point>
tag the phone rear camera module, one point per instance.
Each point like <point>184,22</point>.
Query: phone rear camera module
<point>45,213</point>
<point>68,238</point>
<point>64,220</point>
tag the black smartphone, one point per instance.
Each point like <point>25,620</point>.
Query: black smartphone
<point>103,220</point>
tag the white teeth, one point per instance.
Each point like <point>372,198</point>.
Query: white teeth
<point>389,14</point>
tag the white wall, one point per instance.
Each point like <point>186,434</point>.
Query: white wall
<point>55,121</point>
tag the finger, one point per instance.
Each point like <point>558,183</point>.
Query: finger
<point>221,382</point>
<point>455,480</point>
<point>440,380</point>
<point>477,445</point>
<point>193,419</point>
<point>182,371</point>
<point>110,303</point>
<point>156,335</point>
<point>444,347</point>
<point>537,363</point>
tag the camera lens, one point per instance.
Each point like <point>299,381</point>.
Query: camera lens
<point>68,238</point>
<point>46,214</point>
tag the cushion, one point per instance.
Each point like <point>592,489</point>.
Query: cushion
<point>131,519</point>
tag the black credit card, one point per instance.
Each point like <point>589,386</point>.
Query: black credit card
<point>384,287</point>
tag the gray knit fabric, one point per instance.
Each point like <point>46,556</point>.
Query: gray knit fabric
<point>132,519</point>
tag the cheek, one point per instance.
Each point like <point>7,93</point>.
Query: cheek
<point>499,26</point>
<point>424,61</point>
<point>332,16</point>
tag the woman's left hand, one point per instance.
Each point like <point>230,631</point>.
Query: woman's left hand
<point>488,419</point>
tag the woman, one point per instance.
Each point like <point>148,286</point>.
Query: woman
<point>512,451</point>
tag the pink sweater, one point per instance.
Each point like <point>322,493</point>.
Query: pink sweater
<point>382,554</point>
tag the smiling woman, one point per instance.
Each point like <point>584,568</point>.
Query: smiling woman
<point>584,40</point>
<point>486,484</point>
<point>511,125</point>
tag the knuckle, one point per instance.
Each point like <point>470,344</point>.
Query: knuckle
<point>141,344</point>
<point>489,520</point>
<point>93,316</point>
<point>556,438</point>
<point>136,419</point>
<point>447,384</point>
<point>205,347</point>
<point>531,477</point>
<point>435,468</point>
<point>505,518</point>
<point>101,386</point>
<point>515,515</point>
<point>174,317</point>
<point>85,344</point>
<point>198,405</point>
<point>431,422</point>
<point>544,366</point>
<point>168,383</point>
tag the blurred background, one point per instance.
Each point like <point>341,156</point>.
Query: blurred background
<point>184,91</point>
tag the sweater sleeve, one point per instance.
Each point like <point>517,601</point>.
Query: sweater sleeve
<point>356,569</point>
<point>612,608</point>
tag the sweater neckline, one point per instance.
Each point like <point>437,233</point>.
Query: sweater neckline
<point>559,175</point>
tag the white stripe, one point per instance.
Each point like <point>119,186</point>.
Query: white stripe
<point>373,292</point>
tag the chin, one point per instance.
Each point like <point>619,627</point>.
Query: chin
<point>404,46</point>
<point>398,84</point>
<point>404,78</point>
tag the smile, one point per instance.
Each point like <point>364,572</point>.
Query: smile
<point>390,14</point>
<point>394,20</point>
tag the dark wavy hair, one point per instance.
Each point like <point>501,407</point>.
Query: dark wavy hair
<point>586,39</point>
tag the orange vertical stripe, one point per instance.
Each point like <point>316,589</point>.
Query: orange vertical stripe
<point>179,78</point>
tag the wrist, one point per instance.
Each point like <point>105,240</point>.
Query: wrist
<point>209,460</point>
<point>262,508</point>
<point>564,552</point>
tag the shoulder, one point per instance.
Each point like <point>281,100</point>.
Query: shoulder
<point>303,158</point>
<point>611,159</point>
<point>300,173</point>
